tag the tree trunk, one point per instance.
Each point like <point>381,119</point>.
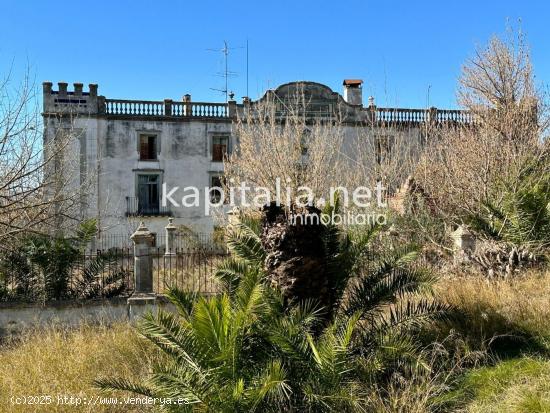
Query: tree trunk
<point>296,260</point>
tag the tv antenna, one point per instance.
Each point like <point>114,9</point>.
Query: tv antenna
<point>226,74</point>
<point>247,95</point>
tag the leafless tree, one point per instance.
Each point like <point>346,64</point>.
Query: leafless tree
<point>283,142</point>
<point>464,166</point>
<point>37,180</point>
<point>385,153</point>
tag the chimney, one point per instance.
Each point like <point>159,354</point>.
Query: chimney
<point>353,93</point>
<point>47,88</point>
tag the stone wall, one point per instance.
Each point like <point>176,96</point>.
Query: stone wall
<point>16,318</point>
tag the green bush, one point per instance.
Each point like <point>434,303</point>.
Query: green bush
<point>522,215</point>
<point>47,268</point>
<point>247,349</point>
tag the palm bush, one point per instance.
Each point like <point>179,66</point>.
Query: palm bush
<point>516,227</point>
<point>522,217</point>
<point>251,349</point>
<point>52,268</point>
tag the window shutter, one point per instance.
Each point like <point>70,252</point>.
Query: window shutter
<point>217,152</point>
<point>143,149</point>
<point>152,147</point>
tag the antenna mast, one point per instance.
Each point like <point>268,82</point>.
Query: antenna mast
<point>247,95</point>
<point>226,73</point>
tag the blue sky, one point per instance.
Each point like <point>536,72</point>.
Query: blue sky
<point>405,51</point>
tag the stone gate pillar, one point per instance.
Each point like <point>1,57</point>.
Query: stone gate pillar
<point>464,243</point>
<point>170,238</point>
<point>143,260</point>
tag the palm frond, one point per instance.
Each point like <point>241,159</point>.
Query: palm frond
<point>210,322</point>
<point>245,244</point>
<point>179,384</point>
<point>231,271</point>
<point>182,300</point>
<point>271,385</point>
<point>412,315</point>
<point>94,283</point>
<point>166,331</point>
<point>248,296</point>
<point>346,252</point>
<point>386,284</point>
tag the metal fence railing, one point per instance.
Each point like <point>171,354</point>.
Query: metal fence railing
<point>190,265</point>
<point>105,268</point>
<point>86,275</point>
<point>190,270</point>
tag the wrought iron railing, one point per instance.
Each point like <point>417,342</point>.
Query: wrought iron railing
<point>136,208</point>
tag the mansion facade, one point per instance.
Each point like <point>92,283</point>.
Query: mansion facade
<point>126,149</point>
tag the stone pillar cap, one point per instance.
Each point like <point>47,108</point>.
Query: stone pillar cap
<point>170,224</point>
<point>141,232</point>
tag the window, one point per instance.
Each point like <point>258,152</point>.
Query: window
<point>383,148</point>
<point>147,199</point>
<point>215,196</point>
<point>148,194</point>
<point>148,147</point>
<point>220,146</point>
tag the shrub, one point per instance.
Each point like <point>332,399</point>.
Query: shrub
<point>52,268</point>
<point>250,349</point>
<point>522,217</point>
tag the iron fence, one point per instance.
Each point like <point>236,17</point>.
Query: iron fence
<point>190,270</point>
<point>106,268</point>
<point>102,273</point>
<point>189,266</point>
<point>189,242</point>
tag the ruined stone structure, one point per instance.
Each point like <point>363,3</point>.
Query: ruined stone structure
<point>129,148</point>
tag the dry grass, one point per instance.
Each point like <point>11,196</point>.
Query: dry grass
<point>517,312</point>
<point>498,307</point>
<point>59,362</point>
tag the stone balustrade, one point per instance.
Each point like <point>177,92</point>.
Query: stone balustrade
<point>140,108</point>
<point>89,102</point>
<point>188,109</point>
<point>416,116</point>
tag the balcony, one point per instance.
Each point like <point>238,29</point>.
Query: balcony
<point>134,208</point>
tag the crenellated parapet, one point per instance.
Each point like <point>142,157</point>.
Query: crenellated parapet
<point>75,101</point>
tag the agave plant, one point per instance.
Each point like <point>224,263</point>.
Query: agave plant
<point>251,348</point>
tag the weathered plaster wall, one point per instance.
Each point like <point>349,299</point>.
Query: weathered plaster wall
<point>16,318</point>
<point>184,160</point>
